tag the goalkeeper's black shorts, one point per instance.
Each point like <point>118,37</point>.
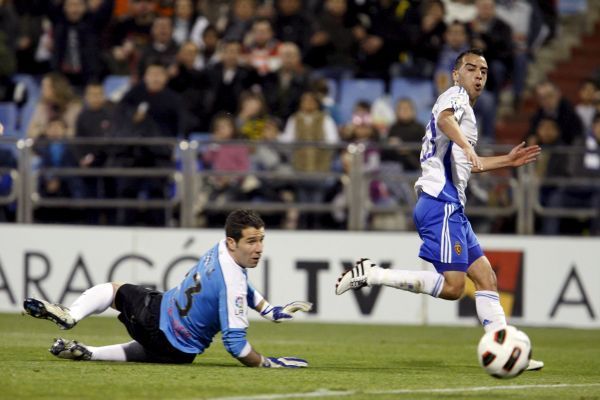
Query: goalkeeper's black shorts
<point>139,309</point>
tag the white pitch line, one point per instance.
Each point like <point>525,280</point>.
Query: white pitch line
<point>340,393</point>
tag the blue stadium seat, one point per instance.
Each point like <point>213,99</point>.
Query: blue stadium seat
<point>332,85</point>
<point>115,87</point>
<point>420,91</point>
<point>9,118</point>
<point>354,90</point>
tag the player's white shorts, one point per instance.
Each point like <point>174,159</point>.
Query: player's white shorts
<point>449,242</point>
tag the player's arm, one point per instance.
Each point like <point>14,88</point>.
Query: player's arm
<point>449,126</point>
<point>518,156</point>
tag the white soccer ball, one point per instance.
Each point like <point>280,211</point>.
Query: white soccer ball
<point>504,353</point>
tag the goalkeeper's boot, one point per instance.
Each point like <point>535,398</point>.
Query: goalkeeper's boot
<point>70,350</point>
<point>56,313</point>
<point>357,277</point>
<point>534,365</point>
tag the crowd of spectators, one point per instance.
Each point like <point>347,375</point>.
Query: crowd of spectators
<point>260,71</point>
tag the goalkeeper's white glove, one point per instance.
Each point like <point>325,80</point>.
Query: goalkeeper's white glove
<point>283,362</point>
<point>279,313</point>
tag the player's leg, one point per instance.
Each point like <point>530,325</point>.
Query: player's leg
<point>74,350</point>
<point>440,227</point>
<point>487,300</point>
<point>94,300</point>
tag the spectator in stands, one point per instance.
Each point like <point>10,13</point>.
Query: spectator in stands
<point>227,80</point>
<point>333,44</point>
<point>553,105</point>
<point>252,116</point>
<point>239,21</point>
<point>128,35</point>
<point>76,32</point>
<point>284,87</point>
<point>187,26</point>
<point>148,109</point>
<point>190,83</point>
<point>426,40</point>
<point>589,98</point>
<point>56,154</point>
<point>494,37</point>
<point>310,124</point>
<point>384,36</point>
<point>320,87</point>
<point>208,55</point>
<point>9,26</point>
<point>32,37</point>
<point>162,49</point>
<point>57,100</point>
<point>262,48</point>
<point>94,121</point>
<point>552,163</point>
<point>220,156</point>
<point>292,24</point>
<point>406,129</point>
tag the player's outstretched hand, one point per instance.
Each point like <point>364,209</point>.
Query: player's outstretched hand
<point>283,362</point>
<point>285,313</point>
<point>521,155</point>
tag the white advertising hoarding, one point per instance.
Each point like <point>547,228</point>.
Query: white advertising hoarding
<point>542,281</point>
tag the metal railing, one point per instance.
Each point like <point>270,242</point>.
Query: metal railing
<point>188,181</point>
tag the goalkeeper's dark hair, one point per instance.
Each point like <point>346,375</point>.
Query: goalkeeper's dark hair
<point>239,220</point>
<point>459,59</point>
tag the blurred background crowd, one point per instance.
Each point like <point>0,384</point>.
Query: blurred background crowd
<point>324,72</point>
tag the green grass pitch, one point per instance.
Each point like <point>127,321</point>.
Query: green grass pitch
<point>346,362</point>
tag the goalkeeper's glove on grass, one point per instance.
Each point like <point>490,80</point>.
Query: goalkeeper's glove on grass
<point>283,362</point>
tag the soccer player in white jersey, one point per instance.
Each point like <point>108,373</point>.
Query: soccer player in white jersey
<point>447,159</point>
<point>175,326</point>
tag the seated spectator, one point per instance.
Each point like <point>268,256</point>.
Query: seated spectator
<point>94,121</point>
<point>426,39</point>
<point>54,153</point>
<point>57,101</point>
<point>128,35</point>
<point>552,163</point>
<point>162,49</point>
<point>221,156</point>
<point>586,165</point>
<point>186,25</point>
<point>252,116</point>
<point>310,124</point>
<point>292,25</point>
<point>191,85</point>
<point>589,99</point>
<point>227,80</point>
<point>329,104</point>
<point>333,43</point>
<point>239,20</point>
<point>553,105</point>
<point>208,55</point>
<point>262,48</point>
<point>406,129</point>
<point>284,87</point>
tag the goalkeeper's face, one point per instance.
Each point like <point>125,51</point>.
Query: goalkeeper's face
<point>247,251</point>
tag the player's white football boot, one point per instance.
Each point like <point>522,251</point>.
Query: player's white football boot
<point>56,313</point>
<point>70,350</point>
<point>355,278</point>
<point>534,365</point>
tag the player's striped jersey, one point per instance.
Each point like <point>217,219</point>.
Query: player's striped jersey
<point>446,170</point>
<point>213,297</point>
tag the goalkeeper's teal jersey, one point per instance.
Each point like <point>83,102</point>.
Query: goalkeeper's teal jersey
<point>213,297</point>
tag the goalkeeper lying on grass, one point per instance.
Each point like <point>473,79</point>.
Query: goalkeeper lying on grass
<point>175,326</point>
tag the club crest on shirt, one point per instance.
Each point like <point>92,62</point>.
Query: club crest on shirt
<point>239,305</point>
<point>457,248</point>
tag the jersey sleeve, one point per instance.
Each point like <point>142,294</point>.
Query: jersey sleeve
<point>254,296</point>
<point>456,99</point>
<point>233,313</point>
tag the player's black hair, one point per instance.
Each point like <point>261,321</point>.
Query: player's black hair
<point>459,59</point>
<point>239,220</point>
